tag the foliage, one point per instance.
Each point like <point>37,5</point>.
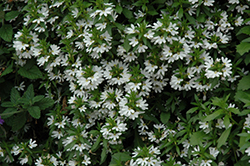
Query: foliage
<point>115,83</point>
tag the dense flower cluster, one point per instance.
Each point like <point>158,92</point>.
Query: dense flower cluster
<point>115,59</point>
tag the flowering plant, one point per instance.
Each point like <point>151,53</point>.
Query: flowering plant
<point>125,82</point>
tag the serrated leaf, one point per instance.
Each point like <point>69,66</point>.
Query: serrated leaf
<point>8,112</point>
<point>243,48</point>
<point>6,32</point>
<point>247,59</point>
<point>14,96</point>
<point>37,98</point>
<point>244,83</point>
<point>32,73</point>
<point>44,103</point>
<point>8,70</point>
<point>29,93</point>
<point>223,138</point>
<point>7,104</point>
<point>165,117</point>
<point>18,121</point>
<point>197,138</point>
<point>214,115</point>
<point>11,15</point>
<point>34,111</point>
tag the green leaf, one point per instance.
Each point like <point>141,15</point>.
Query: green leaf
<point>96,144</point>
<point>165,117</point>
<point>44,103</point>
<point>127,13</point>
<point>221,102</point>
<point>14,96</point>
<point>243,48</point>
<point>244,30</point>
<point>152,12</point>
<point>214,115</point>
<point>192,110</point>
<point>7,104</point>
<point>247,40</point>
<point>223,138</point>
<point>11,15</point>
<point>244,112</point>
<point>119,26</point>
<point>126,45</point>
<point>103,155</point>
<point>226,121</point>
<point>29,93</point>
<point>32,73</point>
<point>197,138</point>
<point>121,156</point>
<point>34,111</point>
<point>190,19</point>
<point>8,70</point>
<point>2,13</point>
<point>242,96</point>
<point>137,140</point>
<point>244,83</point>
<point>37,98</point>
<point>118,9</point>
<point>180,13</point>
<point>18,121</point>
<point>8,112</point>
<point>6,32</point>
<point>201,18</point>
<point>234,110</point>
<point>247,59</point>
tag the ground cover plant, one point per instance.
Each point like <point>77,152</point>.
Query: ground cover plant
<point>124,82</point>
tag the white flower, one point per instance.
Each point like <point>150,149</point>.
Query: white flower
<point>32,144</point>
<point>75,12</point>
<point>57,134</point>
<point>20,87</point>
<point>18,45</point>
<point>24,160</point>
<point>133,41</point>
<point>206,162</point>
<point>208,2</point>
<point>248,151</point>
<point>55,50</point>
<point>100,26</point>
<point>239,21</point>
<point>60,124</point>
<point>141,48</point>
<point>213,151</point>
<point>86,160</point>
